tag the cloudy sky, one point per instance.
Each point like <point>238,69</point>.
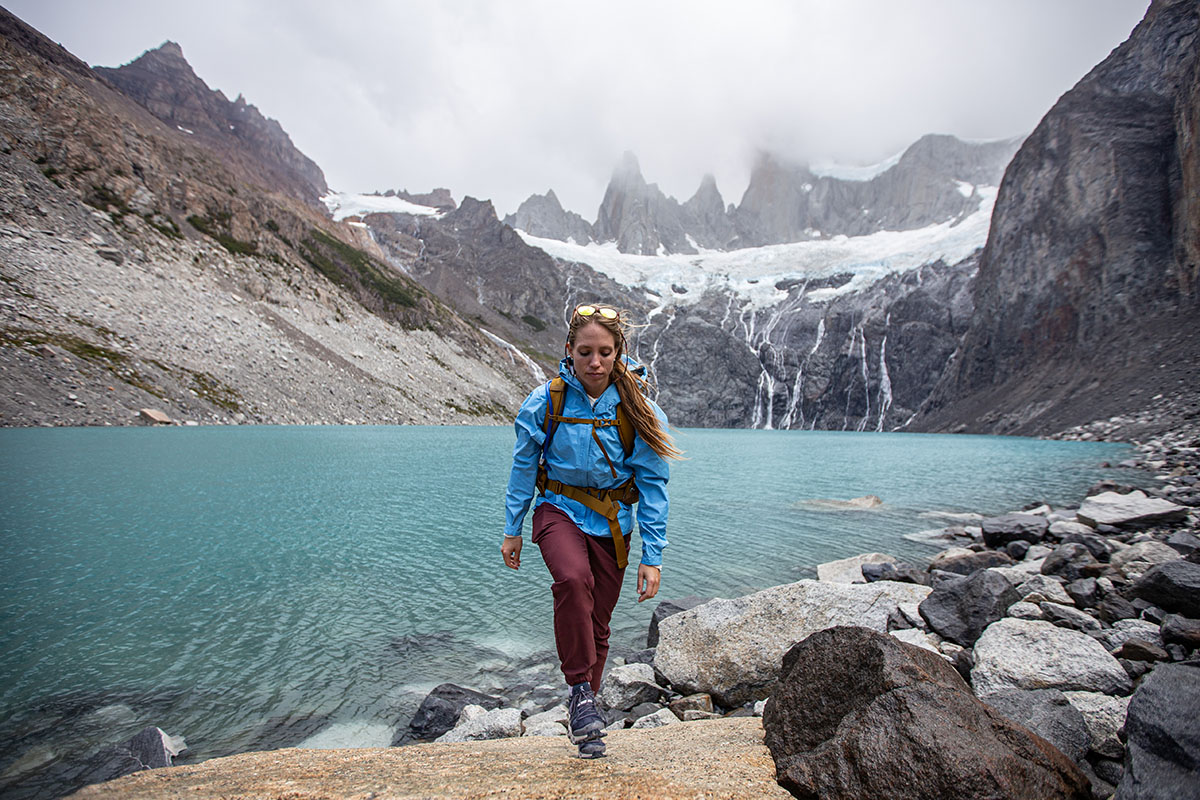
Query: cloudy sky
<point>502,99</point>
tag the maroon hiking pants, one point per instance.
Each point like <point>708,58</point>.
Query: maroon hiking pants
<point>586,585</point>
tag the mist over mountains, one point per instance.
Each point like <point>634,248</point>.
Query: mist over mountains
<point>173,244</point>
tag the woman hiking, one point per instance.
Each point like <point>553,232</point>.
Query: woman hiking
<point>590,445</point>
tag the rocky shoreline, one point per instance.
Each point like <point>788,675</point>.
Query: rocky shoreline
<point>1079,624</point>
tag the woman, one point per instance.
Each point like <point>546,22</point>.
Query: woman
<point>591,444</point>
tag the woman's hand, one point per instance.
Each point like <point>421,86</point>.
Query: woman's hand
<point>647,581</point>
<point>511,550</point>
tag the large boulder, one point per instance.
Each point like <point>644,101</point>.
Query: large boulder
<point>959,610</point>
<point>849,570</point>
<point>1162,755</point>
<point>628,685</point>
<point>440,710</point>
<point>857,714</point>
<point>668,608</point>
<point>1174,586</point>
<point>731,648</point>
<point>999,531</point>
<point>1135,508</point>
<point>1049,714</point>
<point>1032,654</point>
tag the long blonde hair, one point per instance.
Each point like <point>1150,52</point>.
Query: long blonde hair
<point>630,386</point>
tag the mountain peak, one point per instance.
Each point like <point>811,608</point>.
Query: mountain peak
<point>627,169</point>
<point>169,48</point>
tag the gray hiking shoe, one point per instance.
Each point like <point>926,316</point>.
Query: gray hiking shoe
<point>585,724</point>
<point>593,748</point>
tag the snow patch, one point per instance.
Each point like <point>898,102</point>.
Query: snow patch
<point>185,130</point>
<point>350,204</point>
<point>964,188</point>
<point>844,172</point>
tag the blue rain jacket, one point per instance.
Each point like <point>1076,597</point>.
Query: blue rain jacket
<point>574,459</point>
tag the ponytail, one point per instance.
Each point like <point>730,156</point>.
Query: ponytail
<point>632,387</point>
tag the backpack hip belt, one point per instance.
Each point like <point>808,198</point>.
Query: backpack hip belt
<point>605,502</point>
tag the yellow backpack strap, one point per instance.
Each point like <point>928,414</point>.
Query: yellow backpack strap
<point>557,391</point>
<point>625,429</point>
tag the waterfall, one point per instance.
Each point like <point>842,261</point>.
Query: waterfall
<point>885,380</point>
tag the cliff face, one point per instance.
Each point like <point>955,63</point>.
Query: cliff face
<point>163,82</point>
<point>936,179</point>
<point>1087,285</point>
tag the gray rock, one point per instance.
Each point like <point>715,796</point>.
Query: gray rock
<point>1029,654</point>
<point>645,656</point>
<point>1135,508</point>
<point>556,715</point>
<point>999,531</point>
<point>1174,586</point>
<point>901,573</point>
<point>1114,607</point>
<point>1105,716</point>
<point>918,638</point>
<point>1061,528</point>
<point>1144,555</point>
<point>960,610</point>
<point>1097,545</point>
<point>1183,542</point>
<point>667,608</point>
<point>476,723</point>
<point>1085,592</point>
<point>664,716</point>
<point>1068,617</point>
<point>1072,562</point>
<point>731,648</point>
<point>1163,740</point>
<point>857,714</point>
<point>849,570</point>
<point>1024,610</point>
<point>962,561</point>
<point>1181,630</point>
<point>1017,550</point>
<point>150,748</point>
<point>440,710</point>
<point>1048,713</point>
<point>693,702</point>
<point>1125,629</point>
<point>1140,650</point>
<point>628,685</point>
<point>1048,587</point>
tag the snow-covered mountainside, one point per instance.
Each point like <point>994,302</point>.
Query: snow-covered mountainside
<point>760,275</point>
<point>844,333</point>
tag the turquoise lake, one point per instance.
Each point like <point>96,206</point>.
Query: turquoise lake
<point>255,586</point>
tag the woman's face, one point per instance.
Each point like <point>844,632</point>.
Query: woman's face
<point>595,352</point>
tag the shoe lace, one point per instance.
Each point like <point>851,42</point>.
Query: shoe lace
<point>581,700</point>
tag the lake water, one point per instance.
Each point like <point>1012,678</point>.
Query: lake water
<point>249,587</point>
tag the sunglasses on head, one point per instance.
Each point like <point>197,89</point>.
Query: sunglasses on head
<point>604,311</point>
